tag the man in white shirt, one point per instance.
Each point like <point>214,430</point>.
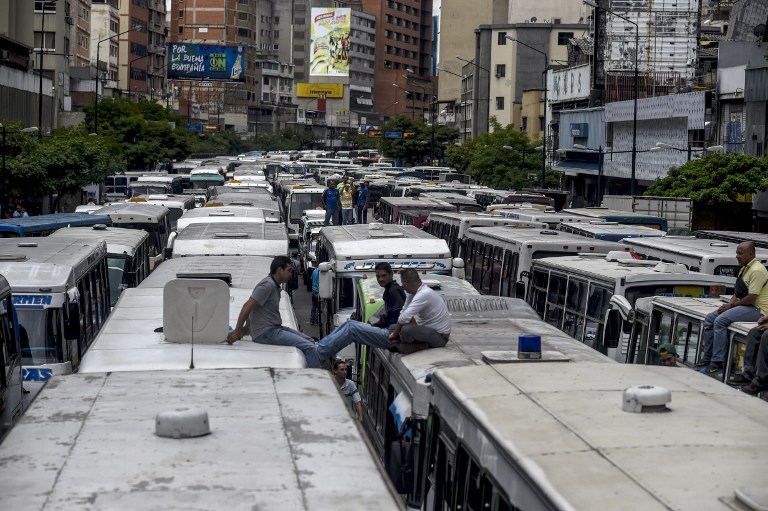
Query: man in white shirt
<point>424,319</point>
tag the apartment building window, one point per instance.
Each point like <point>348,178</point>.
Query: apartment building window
<point>242,16</point>
<point>114,26</point>
<point>113,50</point>
<point>82,12</point>
<point>138,74</point>
<point>138,49</point>
<point>501,70</point>
<point>49,6</point>
<point>524,125</point>
<point>502,38</point>
<point>140,3</point>
<point>181,29</point>
<point>500,103</point>
<point>82,41</point>
<point>277,20</point>
<point>181,13</point>
<point>563,38</point>
<point>47,41</point>
<point>243,32</point>
<point>541,123</point>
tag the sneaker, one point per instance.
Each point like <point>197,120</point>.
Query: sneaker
<point>739,380</point>
<point>754,389</point>
<point>712,369</point>
<point>702,363</point>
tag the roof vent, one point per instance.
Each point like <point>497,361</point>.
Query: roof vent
<point>12,258</point>
<point>27,244</point>
<point>616,255</point>
<point>232,235</point>
<point>99,227</point>
<point>549,233</point>
<point>718,244</point>
<point>183,423</point>
<point>670,268</point>
<point>646,399</point>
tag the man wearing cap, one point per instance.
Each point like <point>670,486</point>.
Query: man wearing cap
<point>749,302</point>
<point>668,355</point>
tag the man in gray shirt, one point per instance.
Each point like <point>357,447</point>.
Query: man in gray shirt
<point>262,312</point>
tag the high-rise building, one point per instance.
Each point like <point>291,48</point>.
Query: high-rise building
<point>403,81</point>
<point>141,71</point>
<point>105,49</point>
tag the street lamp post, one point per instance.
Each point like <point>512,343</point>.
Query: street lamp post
<point>661,146</point>
<point>413,99</point>
<point>98,64</point>
<point>593,4</point>
<point>544,127</point>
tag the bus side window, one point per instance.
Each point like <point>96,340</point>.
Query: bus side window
<point>555,300</point>
<point>661,332</point>
<point>686,340</point>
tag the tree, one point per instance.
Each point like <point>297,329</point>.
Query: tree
<point>416,146</point>
<point>62,163</point>
<point>714,179</point>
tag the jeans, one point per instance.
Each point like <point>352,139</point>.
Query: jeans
<point>362,215</point>
<point>347,216</point>
<point>313,315</point>
<point>413,333</point>
<point>756,356</point>
<point>715,340</point>
<point>284,336</point>
<point>349,332</point>
<point>337,220</point>
<point>329,216</point>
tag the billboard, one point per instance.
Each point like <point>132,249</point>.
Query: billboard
<point>204,61</point>
<point>313,90</point>
<point>329,41</point>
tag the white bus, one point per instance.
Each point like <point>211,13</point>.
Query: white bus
<point>203,177</point>
<point>231,239</point>
<point>566,436</point>
<point>226,214</point>
<point>582,295</point>
<point>498,258</point>
<point>147,331</point>
<point>154,183</point>
<point>485,330</point>
<point>11,392</point>
<point>61,297</point>
<point>452,226</point>
<point>534,215</point>
<point>299,199</point>
<point>279,439</point>
<point>610,231</point>
<point>702,255</point>
<point>151,218</point>
<point>680,321</point>
<point>177,204</point>
<point>347,253</point>
<point>127,254</point>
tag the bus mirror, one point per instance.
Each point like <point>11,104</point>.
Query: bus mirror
<point>520,290</point>
<point>457,268</point>
<point>167,253</point>
<point>525,274</point>
<point>612,329</point>
<point>72,324</point>
<point>324,281</point>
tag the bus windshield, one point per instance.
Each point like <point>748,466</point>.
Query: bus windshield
<point>137,190</point>
<point>303,201</point>
<point>39,334</point>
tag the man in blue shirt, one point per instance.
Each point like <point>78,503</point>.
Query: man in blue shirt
<point>362,204</point>
<point>330,200</point>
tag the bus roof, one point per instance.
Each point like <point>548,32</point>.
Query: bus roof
<point>352,242</point>
<point>477,219</point>
<point>600,212</point>
<point>535,215</point>
<point>551,421</point>
<point>119,241</point>
<point>166,199</point>
<point>417,202</point>
<point>47,262</point>
<point>245,272</point>
<point>611,231</point>
<point>523,235</point>
<point>631,270</point>
<point>274,436</point>
<point>133,212</point>
<point>39,223</point>
<point>231,238</point>
<point>691,246</point>
<point>760,239</point>
<point>227,214</point>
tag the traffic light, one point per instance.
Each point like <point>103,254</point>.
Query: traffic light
<point>374,133</point>
<point>409,134</point>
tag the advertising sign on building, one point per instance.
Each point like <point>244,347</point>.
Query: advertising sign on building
<point>329,44</point>
<point>203,61</point>
<point>313,90</point>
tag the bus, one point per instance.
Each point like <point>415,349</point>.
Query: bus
<point>487,197</point>
<point>134,440</point>
<point>498,258</point>
<point>453,226</point>
<point>61,298</point>
<point>701,255</point>
<point>547,435</point>
<point>552,219</point>
<point>299,199</point>
<point>151,184</point>
<point>115,187</point>
<point>127,254</point>
<point>680,321</point>
<point>462,202</point>
<point>347,253</point>
<point>396,389</point>
<point>151,218</point>
<point>415,217</point>
<point>11,392</point>
<point>177,204</point>
<point>164,338</point>
<point>203,177</point>
<point>43,225</point>
<point>213,213</point>
<point>760,239</point>
<point>610,231</point>
<point>390,207</point>
<point>229,238</point>
<point>622,217</point>
<point>583,295</point>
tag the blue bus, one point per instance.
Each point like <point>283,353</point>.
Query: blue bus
<point>622,217</point>
<point>43,225</point>
<point>610,231</point>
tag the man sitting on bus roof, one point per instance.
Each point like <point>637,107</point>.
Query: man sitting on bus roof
<point>262,312</point>
<point>376,334</point>
<point>425,321</point>
<point>754,376</point>
<point>749,301</point>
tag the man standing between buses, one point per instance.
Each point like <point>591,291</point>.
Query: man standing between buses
<point>748,303</point>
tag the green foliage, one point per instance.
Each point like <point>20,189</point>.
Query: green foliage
<point>417,149</point>
<point>63,162</point>
<point>283,140</point>
<point>714,179</point>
